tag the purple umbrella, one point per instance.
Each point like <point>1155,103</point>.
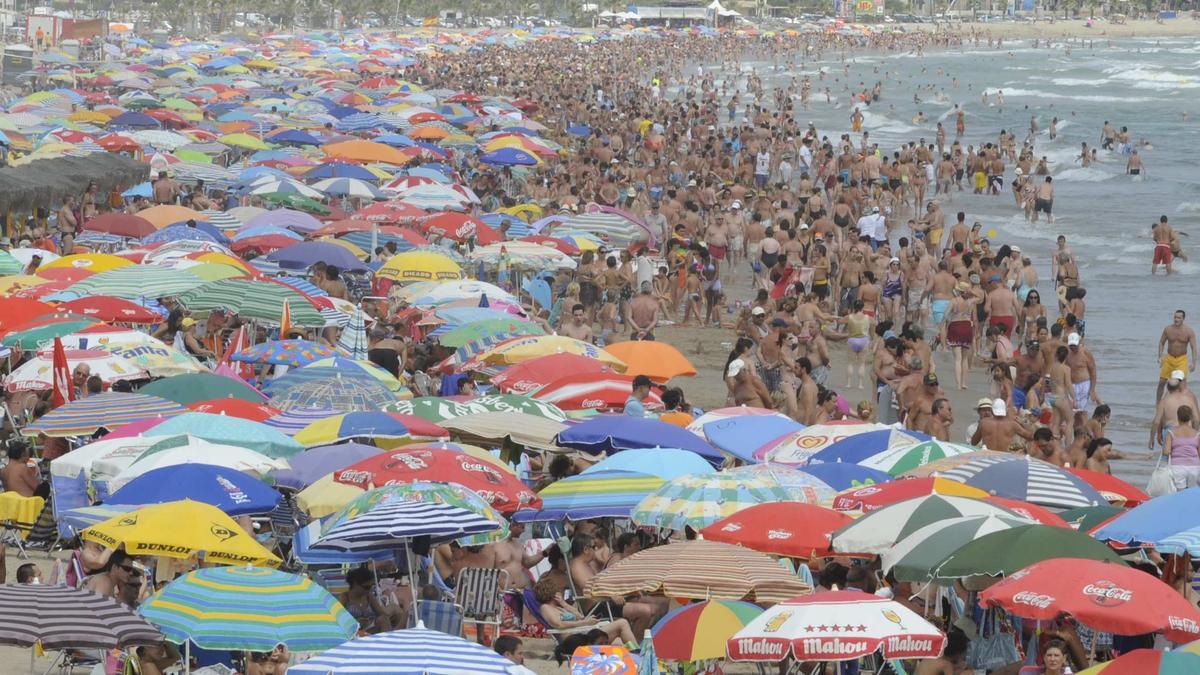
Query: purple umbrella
<point>292,220</point>
<point>305,254</point>
<point>312,465</point>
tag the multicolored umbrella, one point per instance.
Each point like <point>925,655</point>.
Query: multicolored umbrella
<point>251,609</point>
<point>393,427</point>
<point>412,650</point>
<point>597,390</point>
<point>797,447</point>
<point>185,389</point>
<point>603,660</point>
<point>871,497</point>
<point>701,570</point>
<point>347,394</point>
<point>110,411</point>
<point>60,617</point>
<point>880,530</point>
<point>697,501</point>
<point>353,340</point>
<point>184,449</point>
<point>518,350</point>
<point>899,459</point>
<point>802,487</point>
<point>699,631</point>
<point>596,494</point>
<point>154,357</point>
<point>914,557</point>
<point>489,329</point>
<point>292,353</point>
<point>332,368</point>
<point>1148,662</point>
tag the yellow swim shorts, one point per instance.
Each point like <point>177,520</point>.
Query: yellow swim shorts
<point>1172,363</point>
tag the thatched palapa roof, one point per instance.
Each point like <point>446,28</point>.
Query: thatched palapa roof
<point>47,182</point>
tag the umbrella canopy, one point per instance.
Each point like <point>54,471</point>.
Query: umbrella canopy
<point>117,310</point>
<point>1089,518</point>
<point>234,492</point>
<point>183,449</point>
<point>1165,522</point>
<point>154,357</point>
<point>37,374</point>
<point>613,433</point>
<point>304,469</point>
<point>419,266</point>
<point>185,389</point>
<point>361,393</point>
<point>914,557</point>
<point>529,375</point>
<point>374,425</point>
<point>231,431</point>
<point>235,407</point>
<point>697,501</point>
<point>597,390</point>
<point>523,349</point>
<point>594,494</point>
<point>514,403</point>
<point>659,361</point>
<point>181,529</point>
<point>737,432</point>
<point>253,299</point>
<point>797,447</point>
<point>1100,595</point>
<point>249,608</point>
<point>332,368</point>
<point>292,353</point>
<point>702,570</point>
<point>698,632</point>
<point>499,488</point>
<point>879,530</point>
<point>121,224</point>
<point>1113,489</point>
<point>60,617</point>
<point>1008,550</point>
<point>489,329</point>
<point>411,651</point>
<point>790,529</point>
<point>1148,662</point>
<point>836,626</point>
<point>110,411</point>
<point>1027,479</point>
<point>877,496</point>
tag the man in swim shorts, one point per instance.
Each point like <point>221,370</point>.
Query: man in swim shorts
<point>1177,338</point>
<point>1163,235</point>
<point>1043,201</point>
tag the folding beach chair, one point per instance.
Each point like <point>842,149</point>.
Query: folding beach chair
<point>478,592</point>
<point>445,617</point>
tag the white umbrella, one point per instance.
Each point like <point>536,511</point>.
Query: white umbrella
<point>350,187</point>
<point>192,451</point>
<point>37,374</point>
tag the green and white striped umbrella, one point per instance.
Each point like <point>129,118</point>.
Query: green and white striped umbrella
<point>253,299</point>
<point>914,557</point>
<point>137,281</point>
<point>879,530</point>
<point>9,264</point>
<point>906,458</point>
<point>699,500</point>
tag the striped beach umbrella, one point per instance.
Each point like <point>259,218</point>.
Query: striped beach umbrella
<point>879,530</point>
<point>9,264</point>
<point>1028,479</point>
<point>353,340</point>
<point>596,494</point>
<point>253,299</point>
<point>432,408</point>
<point>697,501</point>
<point>1148,662</point>
<point>914,557</point>
<point>60,617</point>
<point>411,651</point>
<point>136,281</point>
<point>369,424</point>
<point>292,421</point>
<point>109,411</point>
<point>249,608</point>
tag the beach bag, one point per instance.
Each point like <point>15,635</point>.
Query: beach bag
<point>995,647</point>
<point>1161,482</point>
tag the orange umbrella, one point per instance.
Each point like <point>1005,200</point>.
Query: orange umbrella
<point>166,214</point>
<point>428,133</point>
<point>365,151</point>
<point>657,360</point>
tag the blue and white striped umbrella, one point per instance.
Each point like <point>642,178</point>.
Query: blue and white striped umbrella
<point>353,340</point>
<point>351,187</point>
<point>413,651</point>
<point>363,122</point>
<point>1028,479</point>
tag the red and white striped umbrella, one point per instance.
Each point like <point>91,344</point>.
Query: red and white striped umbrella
<point>592,391</point>
<point>404,183</point>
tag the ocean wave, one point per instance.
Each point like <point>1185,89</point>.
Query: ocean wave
<point>1092,98</point>
<point>1188,207</point>
<point>1083,175</point>
<point>1153,78</point>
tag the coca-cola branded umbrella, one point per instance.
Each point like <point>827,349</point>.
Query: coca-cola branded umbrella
<point>1104,596</point>
<point>836,626</point>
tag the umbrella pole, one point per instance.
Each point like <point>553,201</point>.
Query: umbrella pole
<point>187,656</point>
<point>412,582</point>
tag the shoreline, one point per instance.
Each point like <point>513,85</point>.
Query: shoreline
<point>1149,29</point>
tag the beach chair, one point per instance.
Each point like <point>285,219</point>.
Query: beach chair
<point>535,610</point>
<point>18,516</point>
<point>445,617</point>
<point>478,592</point>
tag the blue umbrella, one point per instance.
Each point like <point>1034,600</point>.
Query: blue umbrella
<point>205,227</point>
<point>859,447</point>
<point>509,157</point>
<point>614,433</point>
<point>413,651</point>
<point>339,170</point>
<point>666,463</point>
<point>296,137</point>
<point>227,489</point>
<point>139,190</point>
<point>842,476</point>
<point>539,290</point>
<point>740,436</point>
<point>303,551</point>
<point>134,120</point>
<point>1168,522</point>
<point>306,254</point>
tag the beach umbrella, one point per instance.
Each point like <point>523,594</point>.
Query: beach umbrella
<point>1165,522</point>
<point>509,157</point>
<point>235,407</point>
<point>371,424</point>
<point>499,428</point>
<point>113,410</point>
<point>697,501</point>
<point>106,308</point>
<point>136,282</point>
<point>1100,595</point>
<point>9,265</point>
<point>1113,489</point>
<point>32,337</point>
<point>789,529</point>
<point>522,349</point>
<point>153,357</point>
<point>231,431</point>
<point>166,214</point>
<point>419,266</point>
<point>1148,662</point>
<point>253,299</point>
<point>337,170</point>
<point>842,476</point>
<point>893,450</point>
<point>739,435</point>
<point>409,651</point>
<point>879,530</point>
<point>605,660</point>
<point>304,469</point>
<point>249,608</point>
<point>185,389</point>
<point>15,311</point>
<point>303,255</point>
<point>499,488</point>
<point>797,447</point>
<point>613,433</point>
<point>1032,512</point>
<point>120,224</point>
<point>593,494</point>
<point>914,557</point>
<point>534,373</point>
<point>366,151</point>
<point>800,486</point>
<point>297,221</point>
<point>292,353</point>
<point>596,390</point>
<point>60,617</point>
<point>173,450</point>
<point>330,368</point>
<point>699,570</point>
<point>489,329</point>
<point>699,631</point>
<point>347,394</point>
<point>349,187</point>
<point>390,517</point>
<point>869,498</point>
<point>657,360</point>
<point>353,340</point>
<point>836,626</point>
<point>181,529</point>
<point>234,492</point>
<point>1088,518</point>
<point>1008,550</point>
<point>37,374</point>
<point>666,463</point>
<point>517,403</point>
<point>1027,479</point>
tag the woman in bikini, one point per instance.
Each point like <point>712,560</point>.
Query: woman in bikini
<point>858,331</point>
<point>958,331</point>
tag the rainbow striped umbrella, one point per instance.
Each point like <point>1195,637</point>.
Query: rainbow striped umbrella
<point>249,608</point>
<point>698,632</point>
<point>292,353</point>
<point>103,411</point>
<point>593,494</point>
<point>699,500</point>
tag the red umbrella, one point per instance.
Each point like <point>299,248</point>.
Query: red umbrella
<point>121,224</point>
<point>389,212</point>
<point>15,311</point>
<point>1101,595</point>
<point>118,143</point>
<point>67,274</point>
<point>235,407</point>
<point>592,391</point>
<point>500,489</point>
<point>529,375</point>
<point>1031,511</point>
<point>560,244</point>
<point>263,243</point>
<point>117,310</point>
<point>460,226</point>
<point>1112,488</point>
<point>792,529</point>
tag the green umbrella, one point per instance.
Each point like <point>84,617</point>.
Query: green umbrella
<point>193,156</point>
<point>253,299</point>
<point>518,404</point>
<point>1007,551</point>
<point>137,281</point>
<point>914,557</point>
<point>44,334</point>
<point>185,389</point>
<point>432,408</point>
<point>906,458</point>
<point>9,264</point>
<point>880,529</point>
<point>298,202</point>
<point>179,104</point>
<point>1086,518</point>
<point>490,328</point>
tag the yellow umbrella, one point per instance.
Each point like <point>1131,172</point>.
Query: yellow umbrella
<point>325,496</point>
<point>533,346</point>
<point>182,529</point>
<point>223,259</point>
<point>365,151</point>
<point>215,271</point>
<point>244,141</point>
<point>420,266</point>
<point>259,63</point>
<point>12,283</point>
<point>90,116</point>
<point>533,211</point>
<point>95,262</point>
